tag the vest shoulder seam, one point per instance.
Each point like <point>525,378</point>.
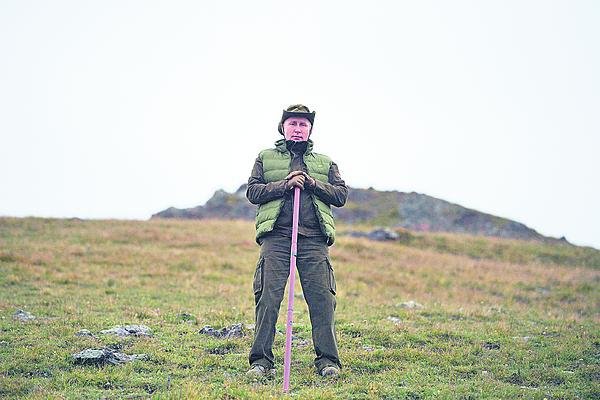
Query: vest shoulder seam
<point>321,155</point>
<point>262,153</point>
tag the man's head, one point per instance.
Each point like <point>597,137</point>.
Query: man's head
<point>296,123</point>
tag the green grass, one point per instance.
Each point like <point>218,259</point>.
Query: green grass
<point>501,319</point>
<point>508,250</point>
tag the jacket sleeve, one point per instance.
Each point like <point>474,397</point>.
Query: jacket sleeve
<point>258,191</point>
<point>335,192</point>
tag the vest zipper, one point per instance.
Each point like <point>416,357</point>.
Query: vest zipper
<point>283,201</point>
<point>317,210</point>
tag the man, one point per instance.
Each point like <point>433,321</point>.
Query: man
<point>276,173</point>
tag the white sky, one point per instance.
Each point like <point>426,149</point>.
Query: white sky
<point>119,109</point>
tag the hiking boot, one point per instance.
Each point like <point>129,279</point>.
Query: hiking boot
<point>257,371</point>
<point>330,372</point>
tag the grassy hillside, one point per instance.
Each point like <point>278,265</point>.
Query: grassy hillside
<point>500,319</point>
<point>507,250</point>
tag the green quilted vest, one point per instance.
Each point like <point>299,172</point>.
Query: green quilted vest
<point>276,166</point>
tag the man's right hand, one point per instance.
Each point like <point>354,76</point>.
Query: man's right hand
<point>295,178</point>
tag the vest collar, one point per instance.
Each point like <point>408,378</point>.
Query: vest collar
<point>280,145</point>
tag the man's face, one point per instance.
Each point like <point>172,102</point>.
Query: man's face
<point>296,129</point>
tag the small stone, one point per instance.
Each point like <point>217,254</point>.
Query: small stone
<point>383,234</point>
<point>367,348</point>
<point>299,342</point>
<point>84,332</point>
<point>187,317</point>
<point>543,291</point>
<point>22,315</point>
<point>128,330</point>
<point>220,350</point>
<point>491,346</point>
<point>395,320</point>
<point>410,304</point>
<point>233,331</point>
<point>104,356</point>
<point>296,340</point>
<point>380,234</point>
<point>524,338</point>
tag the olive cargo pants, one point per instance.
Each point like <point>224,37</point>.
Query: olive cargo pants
<point>318,286</point>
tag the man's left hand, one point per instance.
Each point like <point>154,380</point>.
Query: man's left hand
<point>310,181</point>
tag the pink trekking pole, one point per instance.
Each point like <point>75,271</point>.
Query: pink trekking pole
<point>287,358</point>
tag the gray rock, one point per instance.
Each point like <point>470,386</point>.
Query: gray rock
<point>22,315</point>
<point>84,332</point>
<point>233,331</point>
<point>543,291</point>
<point>380,234</point>
<point>367,348</point>
<point>491,346</point>
<point>187,317</point>
<point>383,234</point>
<point>410,304</point>
<point>220,350</point>
<point>104,356</point>
<point>524,338</point>
<point>128,330</point>
<point>395,320</point>
<point>297,341</point>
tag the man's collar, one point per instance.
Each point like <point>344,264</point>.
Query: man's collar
<point>280,145</point>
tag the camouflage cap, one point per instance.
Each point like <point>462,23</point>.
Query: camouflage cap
<point>298,111</point>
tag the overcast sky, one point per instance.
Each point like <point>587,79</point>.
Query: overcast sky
<point>119,109</point>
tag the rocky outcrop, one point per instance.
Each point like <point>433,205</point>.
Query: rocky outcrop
<point>413,211</point>
<point>22,315</point>
<point>380,234</point>
<point>221,205</point>
<point>228,332</point>
<point>128,330</point>
<point>104,356</point>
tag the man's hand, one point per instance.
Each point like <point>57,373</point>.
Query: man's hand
<point>309,181</point>
<point>295,178</point>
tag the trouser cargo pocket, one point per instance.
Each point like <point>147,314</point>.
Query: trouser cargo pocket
<point>258,276</point>
<point>331,279</point>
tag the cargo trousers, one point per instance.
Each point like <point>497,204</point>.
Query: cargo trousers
<point>318,286</point>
